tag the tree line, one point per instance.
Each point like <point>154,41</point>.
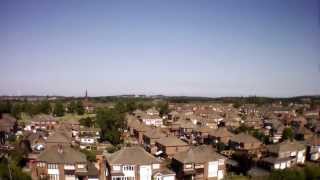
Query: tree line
<point>57,108</point>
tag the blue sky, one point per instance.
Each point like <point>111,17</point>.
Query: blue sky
<point>171,47</point>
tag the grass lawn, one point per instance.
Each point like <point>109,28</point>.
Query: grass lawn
<point>25,118</point>
<point>67,117</point>
<point>237,177</point>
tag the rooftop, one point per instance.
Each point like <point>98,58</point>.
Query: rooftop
<point>244,138</point>
<point>171,141</point>
<point>68,155</point>
<point>132,155</point>
<point>286,146</point>
<point>198,154</point>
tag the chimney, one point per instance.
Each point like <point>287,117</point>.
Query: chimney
<point>60,149</point>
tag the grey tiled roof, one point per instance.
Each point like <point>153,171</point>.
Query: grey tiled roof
<point>132,155</point>
<point>198,154</point>
<point>68,156</point>
<point>171,141</point>
<point>286,146</point>
<point>244,138</point>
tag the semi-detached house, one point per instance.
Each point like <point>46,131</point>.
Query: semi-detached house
<point>199,162</point>
<point>285,155</point>
<point>63,163</point>
<point>134,163</point>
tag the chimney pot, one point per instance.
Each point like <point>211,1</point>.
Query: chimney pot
<point>60,149</point>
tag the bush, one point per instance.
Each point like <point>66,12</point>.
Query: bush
<point>112,149</point>
<point>287,134</point>
<point>10,170</point>
<point>91,155</point>
<point>310,172</point>
<point>87,122</point>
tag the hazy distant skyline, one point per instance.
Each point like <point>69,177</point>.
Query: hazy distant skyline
<point>171,47</point>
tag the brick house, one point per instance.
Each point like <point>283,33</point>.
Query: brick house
<point>42,121</point>
<point>8,126</point>
<point>220,135</point>
<point>313,148</point>
<point>134,163</point>
<point>152,120</point>
<point>150,137</point>
<point>285,155</point>
<point>246,143</point>
<point>199,162</point>
<point>62,162</point>
<point>137,129</point>
<point>169,146</point>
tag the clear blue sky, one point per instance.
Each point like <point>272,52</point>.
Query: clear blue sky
<point>171,47</point>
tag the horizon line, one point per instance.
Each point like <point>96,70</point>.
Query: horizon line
<point>153,95</point>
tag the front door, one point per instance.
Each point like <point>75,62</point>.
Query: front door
<point>145,172</point>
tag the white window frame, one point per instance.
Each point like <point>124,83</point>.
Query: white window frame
<point>52,166</point>
<point>116,168</point>
<point>128,168</point>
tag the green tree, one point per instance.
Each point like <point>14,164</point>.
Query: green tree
<point>112,149</point>
<point>131,106</point>
<point>121,107</point>
<point>287,174</point>
<point>9,170</point>
<point>27,107</point>
<point>144,106</point>
<point>111,122</point>
<point>5,107</point>
<point>287,134</point>
<point>220,146</point>
<point>44,107</point>
<point>88,122</point>
<point>312,172</point>
<point>243,128</point>
<point>79,108</point>
<point>11,165</point>
<point>237,104</point>
<point>91,155</point>
<point>259,135</point>
<point>58,109</point>
<point>16,110</point>
<point>245,160</point>
<point>163,108</point>
<point>72,107</point>
<point>32,108</point>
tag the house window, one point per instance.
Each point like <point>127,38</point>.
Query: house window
<point>116,168</point>
<point>293,153</point>
<point>52,166</point>
<point>81,166</point>
<point>199,166</point>
<point>122,178</point>
<point>69,167</point>
<point>53,177</point>
<point>188,166</point>
<point>127,168</point>
<point>70,176</point>
<point>41,164</point>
